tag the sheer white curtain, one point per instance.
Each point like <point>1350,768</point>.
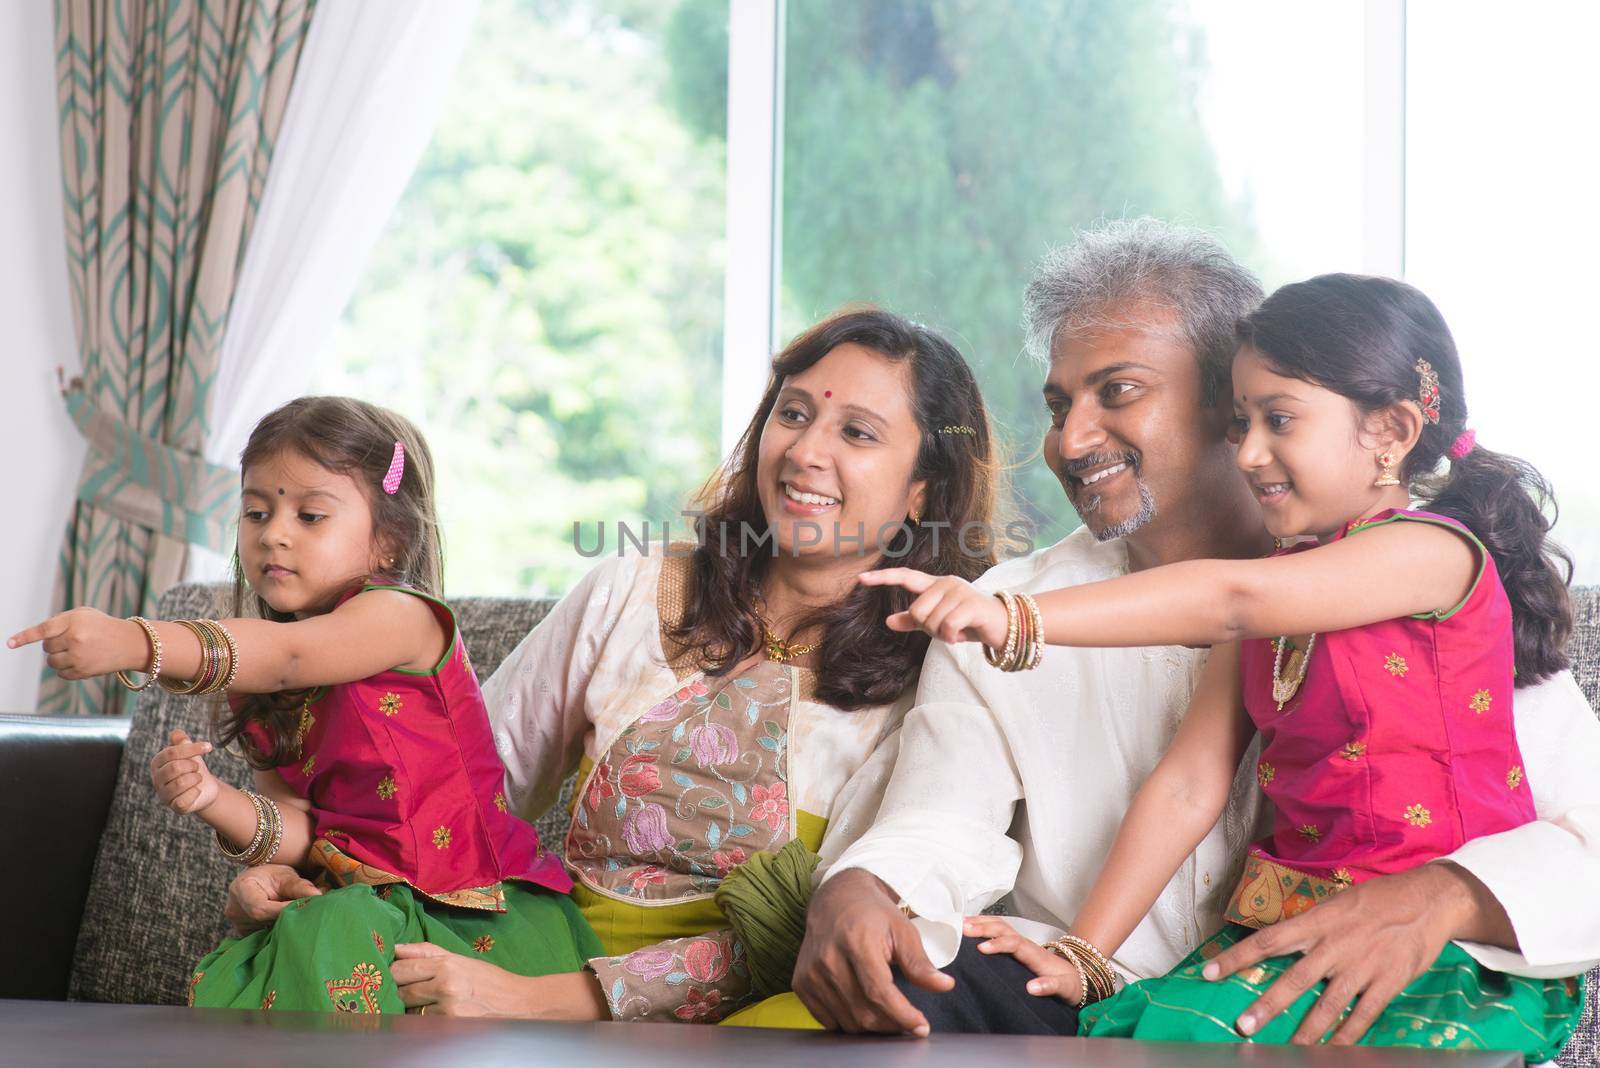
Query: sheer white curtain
<point>369,87</point>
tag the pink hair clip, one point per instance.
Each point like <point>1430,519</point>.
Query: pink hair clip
<point>1463,444</point>
<point>397,470</point>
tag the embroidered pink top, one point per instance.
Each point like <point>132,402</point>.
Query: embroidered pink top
<point>406,786</point>
<point>1399,745</point>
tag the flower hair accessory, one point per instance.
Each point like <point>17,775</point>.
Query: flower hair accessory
<point>1463,444</point>
<point>397,470</point>
<point>1428,395</point>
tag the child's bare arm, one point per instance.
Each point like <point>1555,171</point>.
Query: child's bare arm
<point>1383,573</point>
<point>1175,808</point>
<point>370,633</point>
<point>187,786</point>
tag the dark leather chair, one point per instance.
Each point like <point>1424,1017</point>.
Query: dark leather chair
<point>56,778</point>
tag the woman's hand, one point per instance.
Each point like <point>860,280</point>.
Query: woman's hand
<point>183,782</point>
<point>1055,976</point>
<point>946,607</point>
<point>438,981</point>
<point>257,895</point>
<point>86,642</point>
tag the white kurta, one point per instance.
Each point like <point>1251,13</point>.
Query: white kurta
<point>1018,782</point>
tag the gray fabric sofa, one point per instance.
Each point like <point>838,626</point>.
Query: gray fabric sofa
<point>152,903</point>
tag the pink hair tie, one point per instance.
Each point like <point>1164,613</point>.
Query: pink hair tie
<point>1463,444</point>
<point>397,470</point>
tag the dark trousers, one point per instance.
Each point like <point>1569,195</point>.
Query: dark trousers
<point>990,998</point>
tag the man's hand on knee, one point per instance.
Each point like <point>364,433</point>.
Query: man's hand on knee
<point>855,937</point>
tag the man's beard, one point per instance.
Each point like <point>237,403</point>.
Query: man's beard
<point>1146,512</point>
<point>1091,504</point>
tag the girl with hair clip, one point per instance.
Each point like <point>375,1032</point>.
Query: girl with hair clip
<point>351,695</point>
<point>1375,656</point>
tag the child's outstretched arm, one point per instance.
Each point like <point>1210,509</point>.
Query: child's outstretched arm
<point>187,786</point>
<point>372,632</point>
<point>1382,573</point>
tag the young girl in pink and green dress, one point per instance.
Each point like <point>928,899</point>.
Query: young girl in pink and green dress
<point>351,695</point>
<point>1376,657</point>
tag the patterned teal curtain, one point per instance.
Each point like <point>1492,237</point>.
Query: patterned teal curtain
<point>169,110</point>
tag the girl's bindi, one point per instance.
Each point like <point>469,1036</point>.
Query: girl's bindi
<point>280,491</point>
<point>827,393</point>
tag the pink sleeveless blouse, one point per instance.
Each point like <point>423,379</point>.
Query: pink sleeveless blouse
<point>1397,749</point>
<point>406,786</point>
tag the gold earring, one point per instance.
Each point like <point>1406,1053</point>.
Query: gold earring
<point>915,517</point>
<point>1386,478</point>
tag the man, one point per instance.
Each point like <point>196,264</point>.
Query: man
<point>1017,782</point>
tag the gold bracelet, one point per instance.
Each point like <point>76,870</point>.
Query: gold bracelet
<point>1077,966</point>
<point>1036,631</point>
<point>241,856</point>
<point>1005,659</point>
<point>153,671</point>
<point>233,655</point>
<point>274,836</point>
<point>1100,979</point>
<point>210,655</point>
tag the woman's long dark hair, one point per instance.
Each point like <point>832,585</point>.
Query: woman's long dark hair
<point>1361,337</point>
<point>862,662</point>
<point>353,438</point>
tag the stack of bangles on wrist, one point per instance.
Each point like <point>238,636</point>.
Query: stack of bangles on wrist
<point>219,659</point>
<point>269,834</point>
<point>1097,980</point>
<point>1024,646</point>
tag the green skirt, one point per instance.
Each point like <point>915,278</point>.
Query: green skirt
<point>1456,1004</point>
<point>332,953</point>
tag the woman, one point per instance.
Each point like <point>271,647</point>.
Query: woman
<point>725,700</point>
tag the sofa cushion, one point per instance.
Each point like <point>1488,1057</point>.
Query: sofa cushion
<point>155,905</point>
<point>155,902</point>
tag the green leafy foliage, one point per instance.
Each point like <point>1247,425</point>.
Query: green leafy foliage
<point>547,299</point>
<point>935,149</point>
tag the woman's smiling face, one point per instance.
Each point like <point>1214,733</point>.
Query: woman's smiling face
<point>837,454</point>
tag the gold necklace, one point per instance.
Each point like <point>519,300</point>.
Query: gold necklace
<point>304,727</point>
<point>778,650</point>
<point>1286,684</point>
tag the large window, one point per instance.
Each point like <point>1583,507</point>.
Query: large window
<point>1500,231</point>
<point>933,150</point>
<point>549,299</point>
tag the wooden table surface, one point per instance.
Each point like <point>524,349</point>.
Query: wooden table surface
<point>56,1034</point>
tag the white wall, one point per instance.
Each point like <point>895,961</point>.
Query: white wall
<point>40,450</point>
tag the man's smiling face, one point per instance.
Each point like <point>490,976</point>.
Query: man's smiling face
<point>1128,428</point>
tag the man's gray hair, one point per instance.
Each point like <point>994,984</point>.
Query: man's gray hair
<point>1102,278</point>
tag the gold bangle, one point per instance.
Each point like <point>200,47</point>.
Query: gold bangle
<point>269,848</point>
<point>1100,978</point>
<point>233,656</point>
<point>209,656</point>
<point>153,670</point>
<point>1005,659</point>
<point>1077,966</point>
<point>1036,631</point>
<point>241,856</point>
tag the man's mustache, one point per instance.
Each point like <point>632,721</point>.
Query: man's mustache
<point>1077,467</point>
